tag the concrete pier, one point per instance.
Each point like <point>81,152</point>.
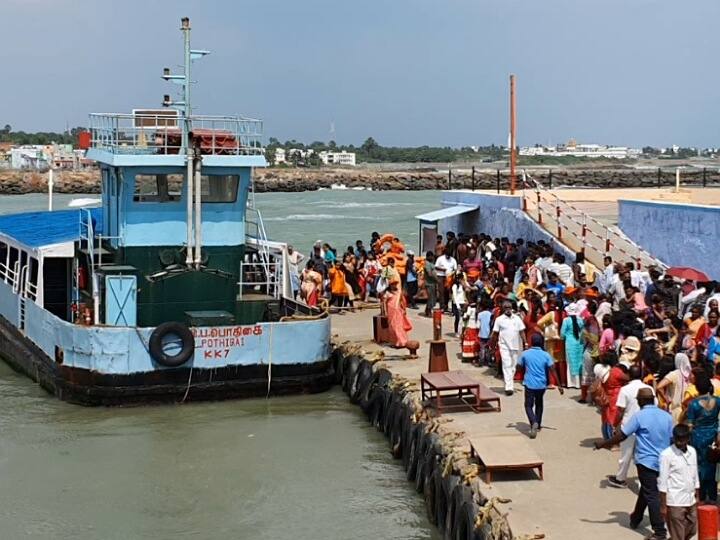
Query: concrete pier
<point>574,500</point>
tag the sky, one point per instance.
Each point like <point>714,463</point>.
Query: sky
<point>405,72</point>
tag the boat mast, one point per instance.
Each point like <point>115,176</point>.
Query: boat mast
<point>193,157</point>
<point>187,128</point>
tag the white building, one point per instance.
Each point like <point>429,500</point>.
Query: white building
<point>29,157</point>
<point>582,150</point>
<point>338,158</point>
<point>280,156</point>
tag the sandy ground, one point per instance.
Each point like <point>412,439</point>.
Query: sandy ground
<point>574,501</point>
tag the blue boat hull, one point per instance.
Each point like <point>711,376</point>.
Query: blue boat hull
<point>171,385</point>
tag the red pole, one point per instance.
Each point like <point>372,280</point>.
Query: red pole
<point>584,235</point>
<point>513,157</point>
<point>557,214</point>
<point>539,210</point>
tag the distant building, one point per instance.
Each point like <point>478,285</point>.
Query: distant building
<point>582,150</point>
<point>338,158</point>
<point>43,156</point>
<point>280,156</point>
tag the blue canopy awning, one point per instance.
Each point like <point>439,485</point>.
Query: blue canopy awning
<point>450,211</point>
<point>38,229</point>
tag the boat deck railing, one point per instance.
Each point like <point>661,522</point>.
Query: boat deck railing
<point>162,134</point>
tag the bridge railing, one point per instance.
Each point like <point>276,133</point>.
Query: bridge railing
<point>580,231</point>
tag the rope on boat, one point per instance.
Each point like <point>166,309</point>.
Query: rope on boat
<point>269,377</point>
<point>324,305</point>
<point>187,390</point>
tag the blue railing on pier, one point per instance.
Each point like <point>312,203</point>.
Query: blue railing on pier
<point>162,134</point>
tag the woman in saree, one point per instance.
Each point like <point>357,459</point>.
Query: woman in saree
<point>695,323</point>
<point>398,323</point>
<point>550,324</point>
<point>702,417</point>
<point>311,283</point>
<point>571,332</point>
<point>591,354</point>
<point>672,387</point>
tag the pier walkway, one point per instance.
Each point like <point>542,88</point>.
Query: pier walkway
<point>574,500</point>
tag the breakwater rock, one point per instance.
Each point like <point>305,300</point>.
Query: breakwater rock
<point>300,179</point>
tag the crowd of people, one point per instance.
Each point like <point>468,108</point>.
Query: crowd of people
<point>639,344</point>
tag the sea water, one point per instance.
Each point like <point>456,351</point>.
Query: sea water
<point>304,467</point>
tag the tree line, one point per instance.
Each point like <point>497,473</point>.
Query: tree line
<point>371,151</point>
<point>41,137</point>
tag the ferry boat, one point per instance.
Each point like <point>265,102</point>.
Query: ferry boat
<point>171,290</point>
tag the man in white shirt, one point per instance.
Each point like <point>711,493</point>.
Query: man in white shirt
<point>445,265</point>
<point>544,261</point>
<point>508,334</point>
<point>563,270</point>
<point>627,406</point>
<point>679,485</point>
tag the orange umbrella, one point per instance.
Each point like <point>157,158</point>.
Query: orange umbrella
<point>686,272</point>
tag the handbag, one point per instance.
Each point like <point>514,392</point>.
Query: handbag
<point>713,454</point>
<point>597,393</point>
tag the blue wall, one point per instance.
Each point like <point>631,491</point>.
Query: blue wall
<point>498,216</point>
<point>677,234</point>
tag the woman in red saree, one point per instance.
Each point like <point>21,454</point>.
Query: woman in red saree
<point>398,323</point>
<point>311,284</point>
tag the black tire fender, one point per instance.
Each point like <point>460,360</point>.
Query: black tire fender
<point>361,381</point>
<point>465,522</point>
<point>460,494</point>
<point>156,344</point>
<point>350,367</point>
<point>413,458</point>
<point>443,491</point>
<point>376,406</point>
<point>429,450</point>
<point>433,475</point>
<point>391,412</point>
<point>383,377</point>
<point>402,417</point>
<point>336,358</point>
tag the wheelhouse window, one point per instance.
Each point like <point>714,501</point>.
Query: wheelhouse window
<point>158,188</point>
<point>219,188</point>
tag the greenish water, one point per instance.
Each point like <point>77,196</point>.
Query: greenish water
<point>342,216</point>
<point>305,467</point>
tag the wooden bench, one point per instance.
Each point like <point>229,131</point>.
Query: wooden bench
<point>505,453</point>
<point>462,387</point>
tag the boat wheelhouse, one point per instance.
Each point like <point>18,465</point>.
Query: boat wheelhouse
<point>170,290</point>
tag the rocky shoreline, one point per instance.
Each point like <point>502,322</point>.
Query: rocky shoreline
<point>292,180</point>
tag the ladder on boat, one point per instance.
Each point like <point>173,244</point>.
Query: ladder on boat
<point>268,278</point>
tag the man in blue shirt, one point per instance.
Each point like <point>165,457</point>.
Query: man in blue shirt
<point>536,363</point>
<point>652,428</point>
<point>484,323</point>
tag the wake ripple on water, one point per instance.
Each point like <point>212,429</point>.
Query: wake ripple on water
<point>331,204</point>
<point>316,217</point>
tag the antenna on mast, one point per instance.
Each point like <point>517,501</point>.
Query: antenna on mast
<point>513,141</point>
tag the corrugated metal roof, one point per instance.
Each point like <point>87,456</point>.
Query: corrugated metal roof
<point>37,229</point>
<point>450,211</point>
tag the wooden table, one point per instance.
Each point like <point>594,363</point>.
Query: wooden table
<point>462,387</point>
<point>505,453</point>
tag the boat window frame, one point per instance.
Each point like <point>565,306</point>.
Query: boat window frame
<point>162,193</point>
<point>4,260</point>
<point>205,181</point>
<point>11,264</point>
